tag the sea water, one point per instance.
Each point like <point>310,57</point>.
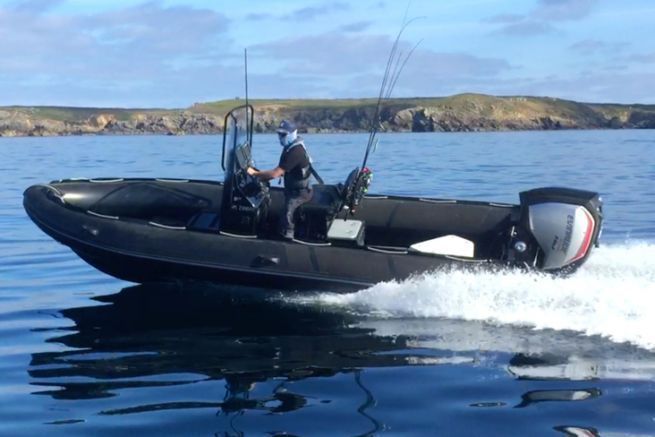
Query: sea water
<point>447,353</point>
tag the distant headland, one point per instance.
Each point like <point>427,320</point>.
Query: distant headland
<point>459,113</point>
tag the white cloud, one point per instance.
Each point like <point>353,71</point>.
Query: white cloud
<point>357,26</point>
<point>526,27</point>
<point>34,6</point>
<point>564,10</point>
<point>131,54</point>
<point>338,53</point>
<point>154,54</point>
<point>539,20</point>
<point>593,86</point>
<point>312,12</point>
<point>643,58</point>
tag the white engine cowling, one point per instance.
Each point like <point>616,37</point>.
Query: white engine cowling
<point>563,231</point>
<point>564,223</point>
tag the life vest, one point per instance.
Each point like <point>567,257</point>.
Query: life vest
<point>293,180</point>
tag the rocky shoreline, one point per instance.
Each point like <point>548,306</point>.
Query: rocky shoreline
<point>461,113</point>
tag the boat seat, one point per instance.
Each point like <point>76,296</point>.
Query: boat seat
<point>313,218</point>
<point>326,199</point>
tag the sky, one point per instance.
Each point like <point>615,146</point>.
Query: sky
<point>173,53</point>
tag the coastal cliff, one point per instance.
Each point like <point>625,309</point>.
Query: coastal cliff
<point>460,113</point>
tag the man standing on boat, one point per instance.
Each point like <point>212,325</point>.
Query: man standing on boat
<point>295,166</point>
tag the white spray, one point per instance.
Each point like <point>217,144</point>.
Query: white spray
<point>612,295</point>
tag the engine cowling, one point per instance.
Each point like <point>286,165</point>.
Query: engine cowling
<point>563,222</point>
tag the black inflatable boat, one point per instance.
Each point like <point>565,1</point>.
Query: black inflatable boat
<point>147,230</point>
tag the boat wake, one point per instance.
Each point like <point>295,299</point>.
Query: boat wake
<point>612,296</point>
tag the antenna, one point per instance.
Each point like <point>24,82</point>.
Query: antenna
<point>249,119</point>
<point>245,63</point>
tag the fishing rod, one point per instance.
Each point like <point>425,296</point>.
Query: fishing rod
<point>359,180</point>
<point>395,65</point>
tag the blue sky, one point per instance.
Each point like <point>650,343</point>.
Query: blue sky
<point>172,53</point>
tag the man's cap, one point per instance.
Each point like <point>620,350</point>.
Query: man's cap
<point>286,127</point>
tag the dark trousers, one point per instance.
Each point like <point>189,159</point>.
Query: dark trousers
<point>293,199</point>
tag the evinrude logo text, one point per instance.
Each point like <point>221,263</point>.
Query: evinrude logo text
<point>570,219</point>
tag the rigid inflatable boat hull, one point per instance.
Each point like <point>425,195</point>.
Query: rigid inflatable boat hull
<point>137,252</point>
<point>132,246</point>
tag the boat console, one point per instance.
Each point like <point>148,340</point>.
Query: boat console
<point>245,198</point>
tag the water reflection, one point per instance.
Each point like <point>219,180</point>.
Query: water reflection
<point>538,396</point>
<point>156,336</point>
<point>153,337</point>
<point>154,330</point>
<point>577,431</point>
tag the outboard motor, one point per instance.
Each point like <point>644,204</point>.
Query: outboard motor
<point>556,228</point>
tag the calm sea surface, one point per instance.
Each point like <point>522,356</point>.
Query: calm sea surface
<point>461,353</point>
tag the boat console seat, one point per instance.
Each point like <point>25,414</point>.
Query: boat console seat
<point>313,218</point>
<point>326,199</point>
